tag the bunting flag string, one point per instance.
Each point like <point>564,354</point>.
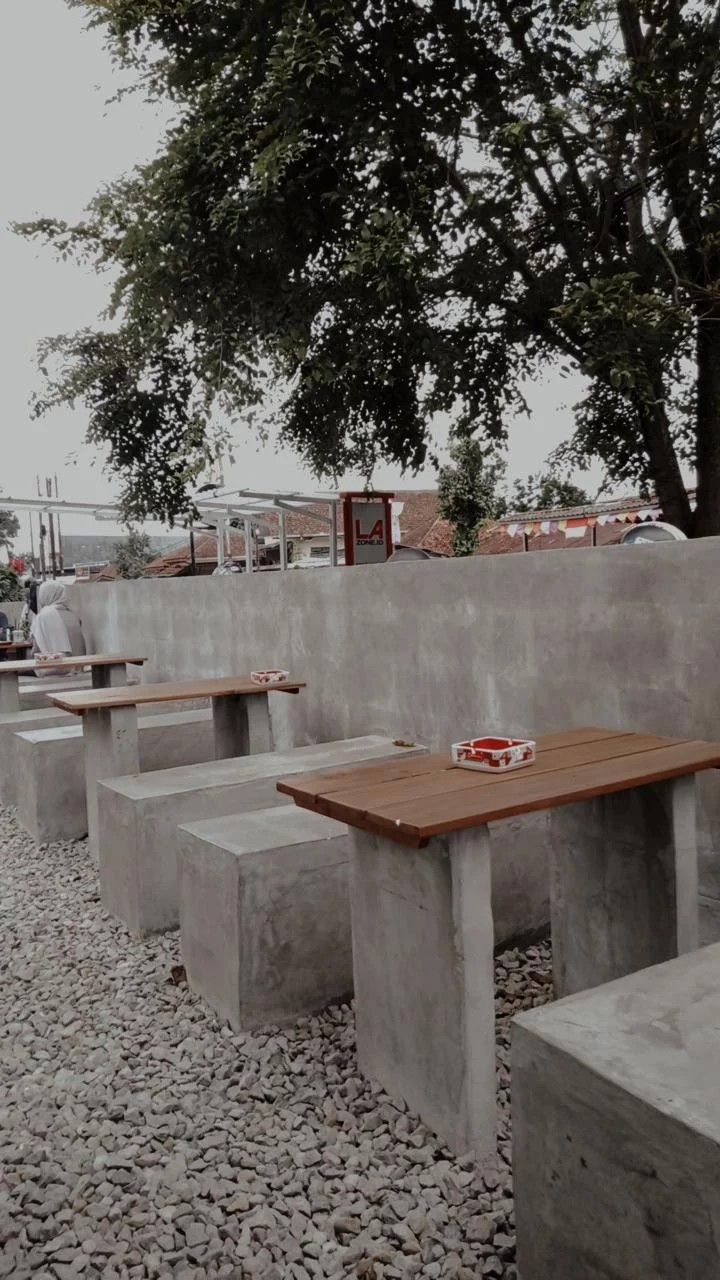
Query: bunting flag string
<point>575,526</point>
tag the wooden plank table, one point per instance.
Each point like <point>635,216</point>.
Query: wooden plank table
<point>624,892</point>
<point>241,719</point>
<point>13,646</point>
<point>108,671</point>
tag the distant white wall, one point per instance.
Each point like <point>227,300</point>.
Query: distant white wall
<point>433,651</point>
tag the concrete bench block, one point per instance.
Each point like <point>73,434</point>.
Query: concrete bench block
<point>138,818</point>
<point>616,1128</point>
<point>50,768</point>
<point>265,914</point>
<point>15,722</point>
<point>34,691</point>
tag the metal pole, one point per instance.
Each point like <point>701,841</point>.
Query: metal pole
<point>283,540</point>
<point>220,541</point>
<point>193,561</point>
<point>59,532</point>
<point>333,535</point>
<point>32,544</point>
<point>53,555</point>
<point>248,547</point>
<point>43,567</point>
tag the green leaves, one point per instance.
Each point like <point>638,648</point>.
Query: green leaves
<point>380,210</point>
<point>468,491</point>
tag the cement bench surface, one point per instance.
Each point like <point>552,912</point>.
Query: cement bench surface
<point>265,914</point>
<point>138,817</point>
<point>50,774</point>
<point>22,722</point>
<point>616,1128</point>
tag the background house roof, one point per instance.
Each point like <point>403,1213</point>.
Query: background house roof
<point>419,526</point>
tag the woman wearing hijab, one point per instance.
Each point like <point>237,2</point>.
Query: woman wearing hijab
<point>56,631</point>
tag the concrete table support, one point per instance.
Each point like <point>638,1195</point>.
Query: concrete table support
<point>624,883</point>
<point>110,676</point>
<point>423,964</point>
<point>242,725</point>
<point>112,750</point>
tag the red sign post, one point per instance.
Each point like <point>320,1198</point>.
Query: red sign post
<point>367,526</point>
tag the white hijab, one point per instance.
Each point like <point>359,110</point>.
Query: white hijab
<point>49,629</point>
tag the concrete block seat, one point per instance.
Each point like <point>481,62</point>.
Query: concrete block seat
<point>265,914</point>
<point>138,817</point>
<point>12,723</point>
<point>616,1128</point>
<point>50,768</point>
<point>34,692</point>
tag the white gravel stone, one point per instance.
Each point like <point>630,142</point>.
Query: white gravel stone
<point>140,1139</point>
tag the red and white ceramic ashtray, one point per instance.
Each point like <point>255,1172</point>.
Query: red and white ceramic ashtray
<point>274,676</point>
<point>493,754</point>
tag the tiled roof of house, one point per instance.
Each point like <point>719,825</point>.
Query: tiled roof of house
<point>420,526</point>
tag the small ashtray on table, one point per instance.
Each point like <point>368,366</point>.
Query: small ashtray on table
<point>493,754</point>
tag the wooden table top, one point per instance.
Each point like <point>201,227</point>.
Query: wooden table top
<point>15,644</point>
<point>26,665</point>
<point>169,691</point>
<point>412,800</point>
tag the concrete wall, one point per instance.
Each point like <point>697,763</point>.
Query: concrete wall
<point>436,650</point>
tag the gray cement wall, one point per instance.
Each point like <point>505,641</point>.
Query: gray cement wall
<point>432,651</point>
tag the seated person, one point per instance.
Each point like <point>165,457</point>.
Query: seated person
<point>56,631</point>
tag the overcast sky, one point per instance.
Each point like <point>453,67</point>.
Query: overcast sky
<point>60,141</point>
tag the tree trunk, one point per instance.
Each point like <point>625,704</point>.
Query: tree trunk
<point>707,513</point>
<point>664,466</point>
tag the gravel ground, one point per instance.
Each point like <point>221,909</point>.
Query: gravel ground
<point>140,1138</point>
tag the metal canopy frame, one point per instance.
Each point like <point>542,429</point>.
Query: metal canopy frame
<point>218,512</point>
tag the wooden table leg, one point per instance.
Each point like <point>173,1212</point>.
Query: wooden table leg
<point>242,725</point>
<point>111,751</point>
<point>424,985</point>
<point>9,694</point>
<point>624,883</point>
<point>109,677</point>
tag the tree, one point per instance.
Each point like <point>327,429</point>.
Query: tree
<point>468,492</point>
<point>10,585</point>
<point>544,491</point>
<point>393,208</point>
<point>132,555</point>
<point>9,528</point>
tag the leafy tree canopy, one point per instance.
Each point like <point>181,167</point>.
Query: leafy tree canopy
<point>9,528</point>
<point>394,208</point>
<point>545,491</point>
<point>468,491</point>
<point>10,585</point>
<point>132,555</point>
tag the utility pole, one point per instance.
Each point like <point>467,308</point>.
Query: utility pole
<point>51,522</point>
<point>32,544</point>
<point>43,534</point>
<point>59,532</point>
